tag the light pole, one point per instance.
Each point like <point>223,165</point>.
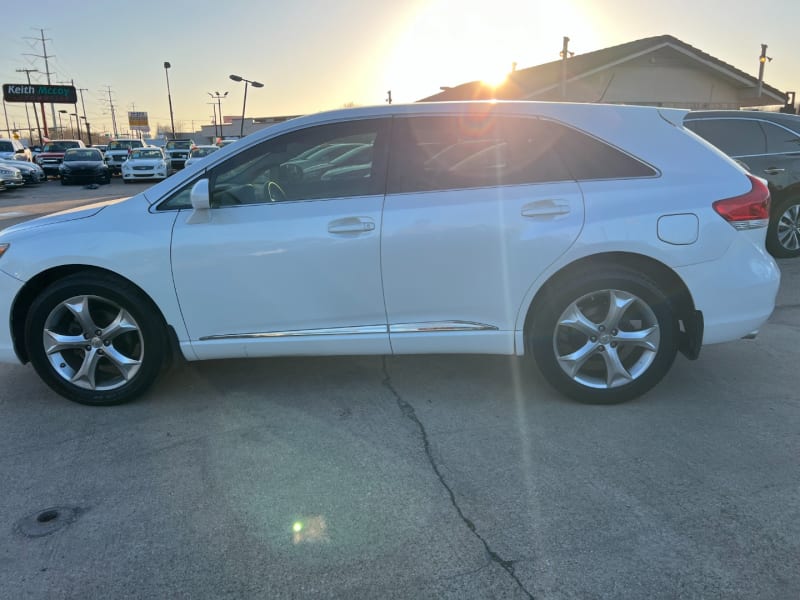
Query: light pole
<point>60,123</point>
<point>214,110</point>
<point>255,84</point>
<point>169,97</point>
<point>77,124</point>
<point>219,97</point>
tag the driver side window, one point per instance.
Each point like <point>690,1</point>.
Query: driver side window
<point>327,161</point>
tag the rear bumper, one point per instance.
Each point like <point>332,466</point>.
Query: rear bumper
<point>735,293</point>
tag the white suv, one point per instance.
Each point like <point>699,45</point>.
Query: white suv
<point>600,240</point>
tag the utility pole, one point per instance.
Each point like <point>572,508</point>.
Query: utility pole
<point>113,113</point>
<point>389,96</point>
<point>564,54</point>
<point>38,127</point>
<point>45,56</point>
<point>761,62</point>
<point>85,120</point>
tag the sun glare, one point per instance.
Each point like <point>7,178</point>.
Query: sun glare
<point>447,42</point>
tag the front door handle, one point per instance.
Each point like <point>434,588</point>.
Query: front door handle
<point>773,171</point>
<point>546,208</point>
<point>351,225</point>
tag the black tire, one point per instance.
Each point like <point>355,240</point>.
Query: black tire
<point>783,233</point>
<point>606,366</point>
<point>119,362</point>
<point>126,180</point>
<point>63,181</point>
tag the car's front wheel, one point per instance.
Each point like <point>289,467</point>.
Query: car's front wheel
<point>604,336</point>
<point>95,339</point>
<point>783,233</point>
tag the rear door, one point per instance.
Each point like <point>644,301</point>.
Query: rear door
<point>477,208</point>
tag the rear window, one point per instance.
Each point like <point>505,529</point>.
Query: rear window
<point>82,154</point>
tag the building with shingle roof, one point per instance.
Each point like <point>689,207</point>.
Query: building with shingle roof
<point>654,71</point>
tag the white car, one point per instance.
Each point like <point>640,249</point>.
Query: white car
<point>145,164</point>
<point>11,176</point>
<point>199,152</point>
<point>600,240</point>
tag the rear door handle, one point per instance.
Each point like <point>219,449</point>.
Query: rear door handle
<point>351,225</point>
<point>773,171</point>
<point>546,208</point>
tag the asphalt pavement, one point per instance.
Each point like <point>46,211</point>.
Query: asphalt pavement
<point>413,477</point>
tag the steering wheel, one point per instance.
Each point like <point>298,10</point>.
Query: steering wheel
<point>274,192</point>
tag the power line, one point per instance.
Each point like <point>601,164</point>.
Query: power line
<point>46,56</point>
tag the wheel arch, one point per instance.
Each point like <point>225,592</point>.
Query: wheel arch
<point>34,286</point>
<point>690,319</point>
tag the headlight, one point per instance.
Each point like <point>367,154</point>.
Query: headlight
<point>6,172</point>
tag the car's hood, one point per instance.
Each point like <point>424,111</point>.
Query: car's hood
<point>80,212</point>
<point>144,162</point>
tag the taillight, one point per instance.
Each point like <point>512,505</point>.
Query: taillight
<point>748,211</point>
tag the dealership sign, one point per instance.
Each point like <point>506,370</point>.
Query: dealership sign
<point>35,92</point>
<point>137,121</point>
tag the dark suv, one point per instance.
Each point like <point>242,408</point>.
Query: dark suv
<point>768,144</point>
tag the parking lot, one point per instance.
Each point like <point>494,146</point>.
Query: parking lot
<point>410,477</point>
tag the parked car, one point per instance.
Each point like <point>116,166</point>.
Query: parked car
<point>598,239</point>
<point>145,163</point>
<point>83,165</point>
<point>117,152</point>
<point>199,152</point>
<point>14,149</point>
<point>11,176</point>
<point>32,173</point>
<point>53,153</point>
<point>177,151</point>
<point>768,144</point>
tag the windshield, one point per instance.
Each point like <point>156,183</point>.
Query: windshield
<point>179,145</point>
<point>149,153</point>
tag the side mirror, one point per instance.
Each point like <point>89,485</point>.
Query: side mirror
<point>201,203</point>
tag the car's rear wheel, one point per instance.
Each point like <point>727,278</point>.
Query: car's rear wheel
<point>604,337</point>
<point>783,233</point>
<point>95,339</point>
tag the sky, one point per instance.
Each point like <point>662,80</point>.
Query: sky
<point>314,55</point>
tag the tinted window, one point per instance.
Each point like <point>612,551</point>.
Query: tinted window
<point>273,172</point>
<point>6,147</point>
<point>780,140</point>
<point>587,158</point>
<point>440,153</point>
<point>735,137</point>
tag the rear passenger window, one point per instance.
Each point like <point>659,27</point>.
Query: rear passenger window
<point>442,153</point>
<point>735,137</point>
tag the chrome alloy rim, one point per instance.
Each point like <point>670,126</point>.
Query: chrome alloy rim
<point>93,343</point>
<point>606,339</point>
<point>789,228</point>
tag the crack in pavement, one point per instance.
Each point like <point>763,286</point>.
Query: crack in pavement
<point>410,413</point>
